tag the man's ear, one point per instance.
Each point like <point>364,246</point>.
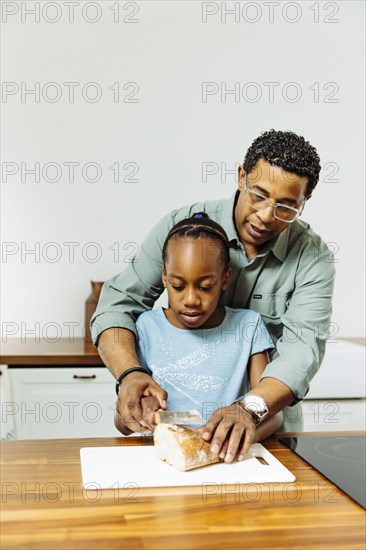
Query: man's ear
<point>241,177</point>
<point>226,278</point>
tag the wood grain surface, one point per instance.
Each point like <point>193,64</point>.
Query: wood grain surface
<point>44,506</point>
<point>65,351</point>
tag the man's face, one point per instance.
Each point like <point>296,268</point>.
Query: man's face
<point>256,227</point>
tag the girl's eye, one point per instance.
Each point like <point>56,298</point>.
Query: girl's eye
<point>177,287</point>
<point>205,288</point>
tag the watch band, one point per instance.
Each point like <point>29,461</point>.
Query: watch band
<point>252,414</point>
<point>126,372</point>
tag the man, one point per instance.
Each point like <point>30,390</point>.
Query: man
<point>280,268</point>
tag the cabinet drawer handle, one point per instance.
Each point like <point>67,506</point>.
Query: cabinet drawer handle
<point>78,377</point>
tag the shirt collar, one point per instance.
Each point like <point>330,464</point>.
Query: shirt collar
<point>228,217</point>
<point>278,246</point>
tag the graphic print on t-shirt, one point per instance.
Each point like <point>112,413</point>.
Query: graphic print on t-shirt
<point>180,373</point>
<point>204,368</point>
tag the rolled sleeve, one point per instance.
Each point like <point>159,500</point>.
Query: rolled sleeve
<point>107,320</point>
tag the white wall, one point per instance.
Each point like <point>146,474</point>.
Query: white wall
<point>168,52</point>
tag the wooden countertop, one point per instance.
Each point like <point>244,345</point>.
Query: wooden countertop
<point>44,507</point>
<point>65,351</point>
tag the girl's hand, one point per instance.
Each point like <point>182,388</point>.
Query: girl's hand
<point>231,431</point>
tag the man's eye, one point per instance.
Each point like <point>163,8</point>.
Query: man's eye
<point>258,198</point>
<point>284,208</point>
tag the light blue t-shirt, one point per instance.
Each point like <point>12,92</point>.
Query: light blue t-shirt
<point>201,369</point>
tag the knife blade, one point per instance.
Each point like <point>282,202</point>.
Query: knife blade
<point>178,417</point>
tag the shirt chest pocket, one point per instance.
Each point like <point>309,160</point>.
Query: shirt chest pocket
<point>270,306</point>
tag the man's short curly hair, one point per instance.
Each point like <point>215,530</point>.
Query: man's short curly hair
<point>288,150</point>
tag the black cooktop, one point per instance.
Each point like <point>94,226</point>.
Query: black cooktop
<point>339,458</point>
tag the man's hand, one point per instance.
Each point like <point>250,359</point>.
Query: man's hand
<point>130,412</point>
<point>149,406</point>
<point>231,431</point>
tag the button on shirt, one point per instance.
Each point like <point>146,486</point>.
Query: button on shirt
<point>290,283</point>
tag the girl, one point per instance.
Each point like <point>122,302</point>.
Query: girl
<point>203,354</point>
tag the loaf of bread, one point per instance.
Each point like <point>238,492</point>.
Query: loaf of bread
<point>182,447</point>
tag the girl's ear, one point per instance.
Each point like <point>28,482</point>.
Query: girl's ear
<point>226,278</point>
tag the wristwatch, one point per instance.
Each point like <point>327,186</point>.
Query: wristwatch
<point>255,405</point>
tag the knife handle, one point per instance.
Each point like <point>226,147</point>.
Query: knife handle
<point>157,418</point>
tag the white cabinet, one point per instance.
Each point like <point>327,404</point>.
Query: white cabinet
<point>323,415</point>
<point>62,402</point>
<point>336,399</point>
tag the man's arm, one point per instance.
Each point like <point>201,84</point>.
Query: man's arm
<point>306,325</point>
<point>275,393</point>
<point>117,349</point>
<point>272,391</point>
<point>232,430</point>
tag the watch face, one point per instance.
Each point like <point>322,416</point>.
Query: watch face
<point>255,403</point>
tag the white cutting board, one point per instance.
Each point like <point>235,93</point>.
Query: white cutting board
<point>112,467</point>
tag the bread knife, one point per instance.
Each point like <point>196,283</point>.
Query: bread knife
<point>178,417</point>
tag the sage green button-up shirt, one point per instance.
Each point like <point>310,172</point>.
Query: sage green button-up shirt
<point>290,283</point>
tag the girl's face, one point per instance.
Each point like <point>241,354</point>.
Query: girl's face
<point>194,276</point>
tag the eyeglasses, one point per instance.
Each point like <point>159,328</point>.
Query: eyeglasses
<point>281,212</point>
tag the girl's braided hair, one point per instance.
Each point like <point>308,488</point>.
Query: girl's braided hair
<point>200,225</point>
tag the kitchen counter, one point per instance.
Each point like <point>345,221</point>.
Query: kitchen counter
<point>45,507</point>
<point>65,351</point>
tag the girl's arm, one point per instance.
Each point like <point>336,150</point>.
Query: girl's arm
<point>257,364</point>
